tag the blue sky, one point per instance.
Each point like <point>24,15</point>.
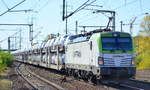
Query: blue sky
<point>47,16</point>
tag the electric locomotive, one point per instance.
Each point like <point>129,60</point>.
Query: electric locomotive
<point>101,54</point>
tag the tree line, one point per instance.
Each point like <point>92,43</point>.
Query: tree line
<point>142,41</point>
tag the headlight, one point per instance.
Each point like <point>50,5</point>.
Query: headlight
<point>100,60</point>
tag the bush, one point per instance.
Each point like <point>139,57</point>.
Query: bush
<point>2,67</point>
<point>145,64</point>
<point>6,58</point>
<point>138,60</point>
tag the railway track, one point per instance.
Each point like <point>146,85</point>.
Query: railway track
<point>130,84</point>
<point>70,84</point>
<point>35,81</point>
<point>73,84</point>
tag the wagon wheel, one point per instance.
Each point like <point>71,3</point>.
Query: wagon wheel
<point>94,80</point>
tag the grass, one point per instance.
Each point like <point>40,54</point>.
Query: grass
<point>5,84</point>
<point>2,68</point>
<point>6,60</point>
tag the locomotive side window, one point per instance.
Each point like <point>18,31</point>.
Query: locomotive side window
<point>91,45</point>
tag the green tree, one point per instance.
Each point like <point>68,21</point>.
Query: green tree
<point>143,45</point>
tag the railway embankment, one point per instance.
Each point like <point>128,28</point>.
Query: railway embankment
<point>18,83</point>
<point>143,75</point>
<point>12,81</point>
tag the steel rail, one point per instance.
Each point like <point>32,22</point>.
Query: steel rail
<point>47,81</point>
<point>28,81</point>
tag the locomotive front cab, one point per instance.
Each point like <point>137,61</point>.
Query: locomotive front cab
<point>116,54</point>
